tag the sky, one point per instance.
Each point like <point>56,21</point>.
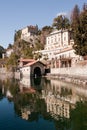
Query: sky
<point>17,14</point>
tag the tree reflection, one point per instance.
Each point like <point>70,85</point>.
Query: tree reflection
<point>62,124</point>
<point>32,105</point>
<point>1,89</point>
<point>1,95</point>
<point>79,116</point>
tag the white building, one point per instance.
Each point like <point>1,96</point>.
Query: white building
<point>58,39</point>
<point>7,53</point>
<point>59,47</point>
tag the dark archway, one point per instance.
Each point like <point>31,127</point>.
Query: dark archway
<point>37,72</point>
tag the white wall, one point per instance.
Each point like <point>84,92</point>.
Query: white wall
<point>25,71</point>
<point>73,71</point>
<point>25,82</point>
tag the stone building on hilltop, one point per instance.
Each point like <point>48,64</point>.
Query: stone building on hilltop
<point>29,33</point>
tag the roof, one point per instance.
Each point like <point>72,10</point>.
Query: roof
<point>27,60</point>
<point>64,50</point>
<point>33,62</point>
<point>56,31</point>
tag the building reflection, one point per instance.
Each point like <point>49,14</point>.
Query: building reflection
<point>25,86</point>
<point>59,97</point>
<point>25,82</point>
<point>26,112</point>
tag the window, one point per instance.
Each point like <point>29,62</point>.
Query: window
<point>64,38</point>
<point>59,39</point>
<point>55,38</point>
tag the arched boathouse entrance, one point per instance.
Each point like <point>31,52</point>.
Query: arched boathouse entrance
<point>37,72</point>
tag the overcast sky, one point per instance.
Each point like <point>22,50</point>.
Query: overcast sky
<point>17,14</point>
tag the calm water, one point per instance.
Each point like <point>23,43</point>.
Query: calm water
<point>42,104</point>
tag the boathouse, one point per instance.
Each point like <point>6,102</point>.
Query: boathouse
<point>31,67</point>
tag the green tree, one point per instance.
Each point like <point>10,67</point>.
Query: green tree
<point>27,52</point>
<point>61,22</point>
<point>75,17</point>
<point>47,29</point>
<point>1,51</point>
<point>38,46</point>
<point>79,116</point>
<point>12,61</point>
<point>17,35</point>
<point>37,55</point>
<point>10,46</point>
<point>44,32</point>
<point>80,34</point>
<point>45,57</point>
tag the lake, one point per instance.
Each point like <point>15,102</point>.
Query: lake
<point>42,104</point>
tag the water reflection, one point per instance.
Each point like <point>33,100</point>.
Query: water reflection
<point>62,103</point>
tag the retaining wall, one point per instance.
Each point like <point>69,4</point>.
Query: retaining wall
<point>5,74</point>
<point>77,75</point>
<point>72,71</point>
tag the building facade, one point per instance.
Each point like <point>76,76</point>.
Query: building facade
<point>58,39</point>
<point>59,50</point>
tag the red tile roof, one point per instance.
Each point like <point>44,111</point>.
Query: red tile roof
<point>27,60</point>
<point>33,62</point>
<point>30,63</point>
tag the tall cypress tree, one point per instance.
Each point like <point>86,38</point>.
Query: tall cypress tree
<point>75,17</point>
<point>80,33</point>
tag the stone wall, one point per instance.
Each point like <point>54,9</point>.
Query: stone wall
<point>17,75</point>
<point>71,71</point>
<point>5,74</point>
<point>76,75</point>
